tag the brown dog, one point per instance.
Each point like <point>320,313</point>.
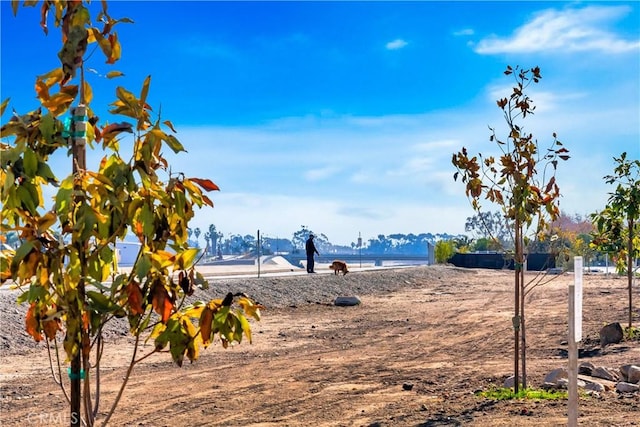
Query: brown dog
<point>339,266</point>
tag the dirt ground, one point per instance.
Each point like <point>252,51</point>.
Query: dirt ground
<point>322,365</point>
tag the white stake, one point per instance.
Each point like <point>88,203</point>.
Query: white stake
<point>575,335</point>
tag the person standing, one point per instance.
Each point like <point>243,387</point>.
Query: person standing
<point>311,249</point>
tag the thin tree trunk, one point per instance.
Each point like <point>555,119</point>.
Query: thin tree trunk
<point>79,164</point>
<point>523,330</point>
<point>630,271</point>
<point>516,316</point>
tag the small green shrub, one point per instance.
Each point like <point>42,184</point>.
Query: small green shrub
<point>504,393</point>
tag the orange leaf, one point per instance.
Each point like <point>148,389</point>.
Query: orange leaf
<point>206,319</point>
<point>112,130</point>
<point>115,49</point>
<point>161,302</point>
<point>31,322</point>
<point>170,125</point>
<point>51,327</point>
<point>134,297</point>
<point>207,201</point>
<point>206,184</point>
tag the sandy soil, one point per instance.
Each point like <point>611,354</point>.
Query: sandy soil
<point>444,331</point>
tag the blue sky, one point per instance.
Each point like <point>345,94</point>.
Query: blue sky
<point>343,117</point>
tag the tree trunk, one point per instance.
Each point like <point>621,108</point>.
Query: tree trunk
<point>74,379</point>
<point>630,271</point>
<point>523,330</point>
<point>516,316</point>
<point>79,164</point>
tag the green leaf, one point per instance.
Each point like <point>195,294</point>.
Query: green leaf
<point>26,197</point>
<point>100,302</point>
<point>45,172</point>
<point>30,163</point>
<point>174,144</point>
<point>35,293</point>
<point>147,220</point>
<point>143,266</point>
<point>63,197</point>
<point>9,181</point>
<point>47,127</point>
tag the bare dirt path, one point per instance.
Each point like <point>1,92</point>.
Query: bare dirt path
<point>447,335</point>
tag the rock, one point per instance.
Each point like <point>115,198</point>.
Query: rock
<point>631,373</point>
<point>594,386</point>
<point>563,383</point>
<point>608,385</point>
<point>407,386</point>
<point>611,334</point>
<point>346,301</point>
<point>633,376</point>
<point>509,382</point>
<point>555,375</point>
<point>586,368</point>
<point>605,373</point>
<point>623,387</point>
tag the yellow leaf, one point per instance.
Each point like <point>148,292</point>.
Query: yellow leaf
<point>246,328</point>
<point>162,259</point>
<point>46,221</point>
<point>250,308</point>
<point>114,74</point>
<point>4,106</point>
<point>194,310</point>
<point>145,90</point>
<point>58,103</point>
<point>88,93</point>
<point>184,260</point>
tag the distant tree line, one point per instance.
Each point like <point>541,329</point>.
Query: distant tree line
<point>217,243</point>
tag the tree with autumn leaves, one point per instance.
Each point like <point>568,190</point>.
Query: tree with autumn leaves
<point>521,181</point>
<point>65,264</point>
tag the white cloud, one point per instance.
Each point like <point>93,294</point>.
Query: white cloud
<point>464,32</point>
<point>396,44</point>
<point>319,174</point>
<point>570,30</point>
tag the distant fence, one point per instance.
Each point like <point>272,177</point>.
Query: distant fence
<point>535,262</point>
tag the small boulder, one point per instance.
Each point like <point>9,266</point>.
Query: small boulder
<point>611,334</point>
<point>346,301</point>
<point>605,374</point>
<point>586,368</point>
<point>623,387</point>
<point>510,382</point>
<point>631,373</point>
<point>594,386</point>
<point>555,375</point>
